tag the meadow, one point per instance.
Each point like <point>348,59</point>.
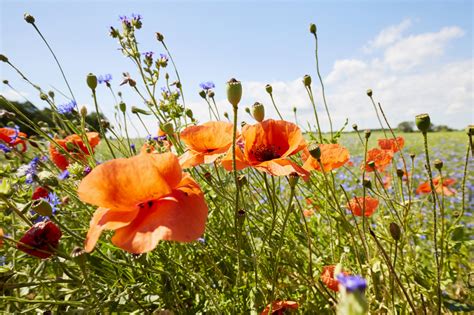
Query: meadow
<point>222,217</point>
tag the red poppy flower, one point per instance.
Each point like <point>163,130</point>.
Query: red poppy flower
<point>425,188</point>
<point>391,144</point>
<point>279,307</point>
<point>205,142</point>
<point>9,134</point>
<point>40,192</point>
<point>74,145</point>
<point>144,199</point>
<point>356,205</point>
<point>332,157</point>
<point>329,279</point>
<point>40,240</point>
<point>266,146</point>
<point>381,158</point>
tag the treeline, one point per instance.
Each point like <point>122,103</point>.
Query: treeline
<point>8,115</point>
<point>409,126</point>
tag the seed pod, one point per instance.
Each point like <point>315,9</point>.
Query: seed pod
<point>91,80</point>
<point>42,207</point>
<point>355,127</point>
<point>438,164</point>
<point>312,28</point>
<point>367,133</point>
<point>258,111</point>
<point>400,173</point>
<point>369,93</point>
<point>315,151</point>
<point>234,92</point>
<point>395,231</point>
<point>293,180</point>
<point>29,18</point>
<point>269,89</point>
<point>423,122</point>
<point>307,80</point>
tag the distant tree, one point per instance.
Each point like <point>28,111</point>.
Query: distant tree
<point>440,128</point>
<point>406,126</point>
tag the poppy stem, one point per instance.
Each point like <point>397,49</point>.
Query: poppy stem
<point>102,132</point>
<point>310,94</point>
<point>237,192</point>
<point>378,116</point>
<point>276,108</point>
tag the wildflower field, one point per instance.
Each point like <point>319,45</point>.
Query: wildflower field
<point>241,214</point>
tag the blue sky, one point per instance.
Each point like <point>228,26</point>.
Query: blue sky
<point>415,55</point>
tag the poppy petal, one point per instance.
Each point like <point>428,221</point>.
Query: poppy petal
<point>282,167</point>
<point>208,137</point>
<point>190,159</point>
<point>240,162</point>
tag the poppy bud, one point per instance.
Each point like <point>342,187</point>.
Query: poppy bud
<point>258,111</point>
<point>29,18</point>
<point>226,115</point>
<point>371,164</point>
<point>395,231</point>
<point>438,164</point>
<point>159,37</point>
<point>268,88</point>
<point>123,107</point>
<point>367,133</point>
<point>412,155</point>
<point>136,110</point>
<point>167,76</point>
<point>400,173</point>
<point>78,254</point>
<point>234,92</point>
<point>247,110</point>
<point>294,109</point>
<point>47,178</point>
<point>168,128</point>
<point>470,130</point>
<point>43,96</point>
<point>367,183</point>
<point>210,93</point>
<point>51,94</point>
<point>315,151</point>
<point>42,207</point>
<point>91,80</point>
<point>5,82</point>
<point>293,179</point>
<point>307,80</point>
<point>3,58</point>
<point>423,122</point>
<point>83,111</point>
<point>202,94</point>
<point>189,113</point>
<point>369,93</point>
<point>312,28</point>
<point>105,123</point>
<point>242,124</point>
<point>39,239</point>
<point>355,127</point>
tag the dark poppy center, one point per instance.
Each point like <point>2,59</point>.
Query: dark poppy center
<point>266,153</point>
<point>210,150</point>
<point>146,205</point>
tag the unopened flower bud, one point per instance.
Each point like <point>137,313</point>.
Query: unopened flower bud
<point>105,123</point>
<point>43,96</point>
<point>42,207</point>
<point>122,107</point>
<point>315,151</point>
<point>168,128</point>
<point>29,18</point>
<point>159,37</point>
<point>91,81</point>
<point>294,109</point>
<point>51,94</point>
<point>307,80</point>
<point>3,58</point>
<point>367,183</point>
<point>438,164</point>
<point>83,111</point>
<point>234,92</point>
<point>470,130</point>
<point>202,94</point>
<point>210,93</point>
<point>312,28</point>
<point>242,124</point>
<point>355,127</point>
<point>395,231</point>
<point>367,133</point>
<point>136,110</point>
<point>258,111</point>
<point>247,110</point>
<point>226,115</point>
<point>189,113</point>
<point>293,180</point>
<point>369,93</point>
<point>269,89</point>
<point>412,155</point>
<point>400,173</point>
<point>423,122</point>
<point>5,82</point>
<point>47,178</point>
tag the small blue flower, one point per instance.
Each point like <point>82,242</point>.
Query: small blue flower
<point>207,85</point>
<point>67,108</point>
<point>106,78</point>
<point>29,170</point>
<point>136,17</point>
<point>5,148</point>
<point>64,174</point>
<point>2,260</point>
<point>201,240</point>
<point>16,129</point>
<point>352,283</point>
<point>148,54</point>
<point>163,57</point>
<point>87,170</point>
<point>54,201</point>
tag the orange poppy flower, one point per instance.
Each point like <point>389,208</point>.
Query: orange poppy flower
<point>391,144</point>
<point>279,307</point>
<point>445,188</point>
<point>381,158</point>
<point>266,146</point>
<point>356,205</point>
<point>308,213</point>
<point>329,279</point>
<point>205,142</point>
<point>1,237</point>
<point>75,146</point>
<point>144,199</point>
<point>13,137</point>
<point>332,157</point>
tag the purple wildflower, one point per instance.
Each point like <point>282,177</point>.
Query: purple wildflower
<point>106,78</point>
<point>207,85</point>
<point>67,108</point>
<point>148,54</point>
<point>352,283</point>
<point>5,148</point>
<point>87,170</point>
<point>64,174</point>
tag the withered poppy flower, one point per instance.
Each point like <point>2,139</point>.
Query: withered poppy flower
<point>40,192</point>
<point>425,188</point>
<point>13,137</point>
<point>279,307</point>
<point>74,145</point>
<point>332,157</point>
<point>40,240</point>
<point>381,158</point>
<point>144,199</point>
<point>329,279</point>
<point>205,142</point>
<point>266,146</point>
<point>391,144</point>
<point>356,205</point>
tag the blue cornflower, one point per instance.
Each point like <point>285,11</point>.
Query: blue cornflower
<point>2,260</point>
<point>29,170</point>
<point>136,17</point>
<point>64,174</point>
<point>132,146</point>
<point>87,170</point>
<point>54,201</point>
<point>67,108</point>
<point>207,85</point>
<point>106,78</point>
<point>148,54</point>
<point>16,129</point>
<point>352,283</point>
<point>163,57</point>
<point>5,148</point>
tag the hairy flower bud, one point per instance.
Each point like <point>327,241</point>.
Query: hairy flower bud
<point>400,173</point>
<point>293,180</point>
<point>307,80</point>
<point>226,115</point>
<point>315,151</point>
<point>29,18</point>
<point>423,122</point>
<point>269,89</point>
<point>189,113</point>
<point>258,111</point>
<point>159,37</point>
<point>5,82</point>
<point>202,94</point>
<point>123,107</point>
<point>438,164</point>
<point>367,133</point>
<point>91,81</point>
<point>369,93</point>
<point>83,111</point>
<point>3,58</point>
<point>51,94</point>
<point>312,28</point>
<point>355,127</point>
<point>234,92</point>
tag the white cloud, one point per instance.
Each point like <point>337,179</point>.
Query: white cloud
<point>388,36</point>
<point>14,96</point>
